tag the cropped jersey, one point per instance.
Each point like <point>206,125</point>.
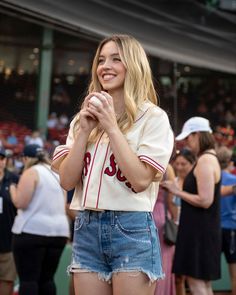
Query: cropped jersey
<point>103,185</point>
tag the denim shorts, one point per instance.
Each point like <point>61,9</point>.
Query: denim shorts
<point>108,242</point>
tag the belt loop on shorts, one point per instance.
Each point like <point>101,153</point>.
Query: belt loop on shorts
<point>112,218</point>
<point>87,216</point>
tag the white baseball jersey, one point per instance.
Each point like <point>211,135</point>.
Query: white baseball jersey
<point>103,186</point>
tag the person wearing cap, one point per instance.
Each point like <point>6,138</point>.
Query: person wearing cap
<point>198,246</point>
<point>7,215</point>
<point>41,227</point>
<point>228,212</point>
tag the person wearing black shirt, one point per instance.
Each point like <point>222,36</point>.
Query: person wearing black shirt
<point>7,215</point>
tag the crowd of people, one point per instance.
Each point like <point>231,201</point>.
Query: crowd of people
<point>123,176</point>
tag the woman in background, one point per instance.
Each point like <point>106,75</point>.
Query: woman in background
<point>198,246</point>
<point>41,227</point>
<point>165,199</point>
<point>182,163</point>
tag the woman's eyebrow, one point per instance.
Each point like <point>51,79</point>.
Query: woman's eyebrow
<point>113,54</point>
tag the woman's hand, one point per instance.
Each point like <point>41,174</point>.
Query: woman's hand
<point>88,120</point>
<point>171,186</point>
<point>105,113</point>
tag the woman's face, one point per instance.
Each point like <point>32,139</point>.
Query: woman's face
<point>192,142</point>
<point>182,166</point>
<point>111,71</point>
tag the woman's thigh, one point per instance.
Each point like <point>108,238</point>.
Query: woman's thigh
<point>28,254</point>
<point>89,283</point>
<point>53,251</point>
<point>132,283</point>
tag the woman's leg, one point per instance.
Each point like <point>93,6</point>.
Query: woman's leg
<point>53,250</point>
<point>6,288</point>
<point>28,254</point>
<point>199,287</point>
<point>180,285</point>
<point>90,284</point>
<point>132,283</point>
<point>232,271</point>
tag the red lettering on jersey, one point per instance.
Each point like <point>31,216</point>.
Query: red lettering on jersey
<point>87,161</point>
<point>111,171</point>
<point>119,176</point>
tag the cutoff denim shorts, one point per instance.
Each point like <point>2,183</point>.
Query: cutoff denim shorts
<point>108,242</point>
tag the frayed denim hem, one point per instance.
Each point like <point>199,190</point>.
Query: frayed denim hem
<point>150,275</point>
<point>78,268</point>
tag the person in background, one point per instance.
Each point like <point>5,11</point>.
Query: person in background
<point>7,215</point>
<point>166,286</point>
<point>182,163</point>
<point>228,213</point>
<point>117,150</point>
<point>35,138</point>
<point>12,139</point>
<point>41,227</point>
<point>72,215</point>
<point>198,246</point>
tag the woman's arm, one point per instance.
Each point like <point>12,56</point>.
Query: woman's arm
<point>139,173</point>
<point>22,194</point>
<point>227,190</point>
<point>173,209</point>
<point>205,176</point>
<point>71,167</point>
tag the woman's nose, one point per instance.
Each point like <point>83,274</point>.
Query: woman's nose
<point>107,63</point>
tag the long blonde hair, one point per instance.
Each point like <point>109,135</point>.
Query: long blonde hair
<point>138,86</point>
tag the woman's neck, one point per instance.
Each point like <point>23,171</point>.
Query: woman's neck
<point>119,103</point>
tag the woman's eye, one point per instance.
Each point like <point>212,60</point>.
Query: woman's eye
<point>100,61</point>
<point>116,59</point>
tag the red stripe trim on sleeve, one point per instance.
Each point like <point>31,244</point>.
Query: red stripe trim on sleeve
<point>152,163</point>
<point>60,154</point>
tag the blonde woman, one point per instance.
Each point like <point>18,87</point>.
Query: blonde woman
<point>117,150</point>
<point>41,227</point>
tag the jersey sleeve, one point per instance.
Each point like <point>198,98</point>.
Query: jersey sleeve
<point>156,144</point>
<point>62,150</point>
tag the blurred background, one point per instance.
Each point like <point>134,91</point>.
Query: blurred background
<point>47,46</point>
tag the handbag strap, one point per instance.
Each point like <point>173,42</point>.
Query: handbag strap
<point>165,196</point>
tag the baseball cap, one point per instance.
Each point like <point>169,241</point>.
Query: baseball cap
<point>32,150</point>
<point>194,124</point>
<point>2,152</point>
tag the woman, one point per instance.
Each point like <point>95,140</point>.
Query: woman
<point>198,247</point>
<point>182,162</point>
<point>117,149</point>
<point>41,227</point>
<point>165,202</point>
<point>7,215</point>
<point>228,213</point>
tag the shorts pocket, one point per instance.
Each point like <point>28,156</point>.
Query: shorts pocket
<point>134,227</point>
<point>79,221</point>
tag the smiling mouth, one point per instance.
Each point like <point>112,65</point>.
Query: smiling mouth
<point>107,77</point>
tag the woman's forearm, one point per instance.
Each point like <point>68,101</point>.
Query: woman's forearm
<point>71,168</point>
<point>135,171</point>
